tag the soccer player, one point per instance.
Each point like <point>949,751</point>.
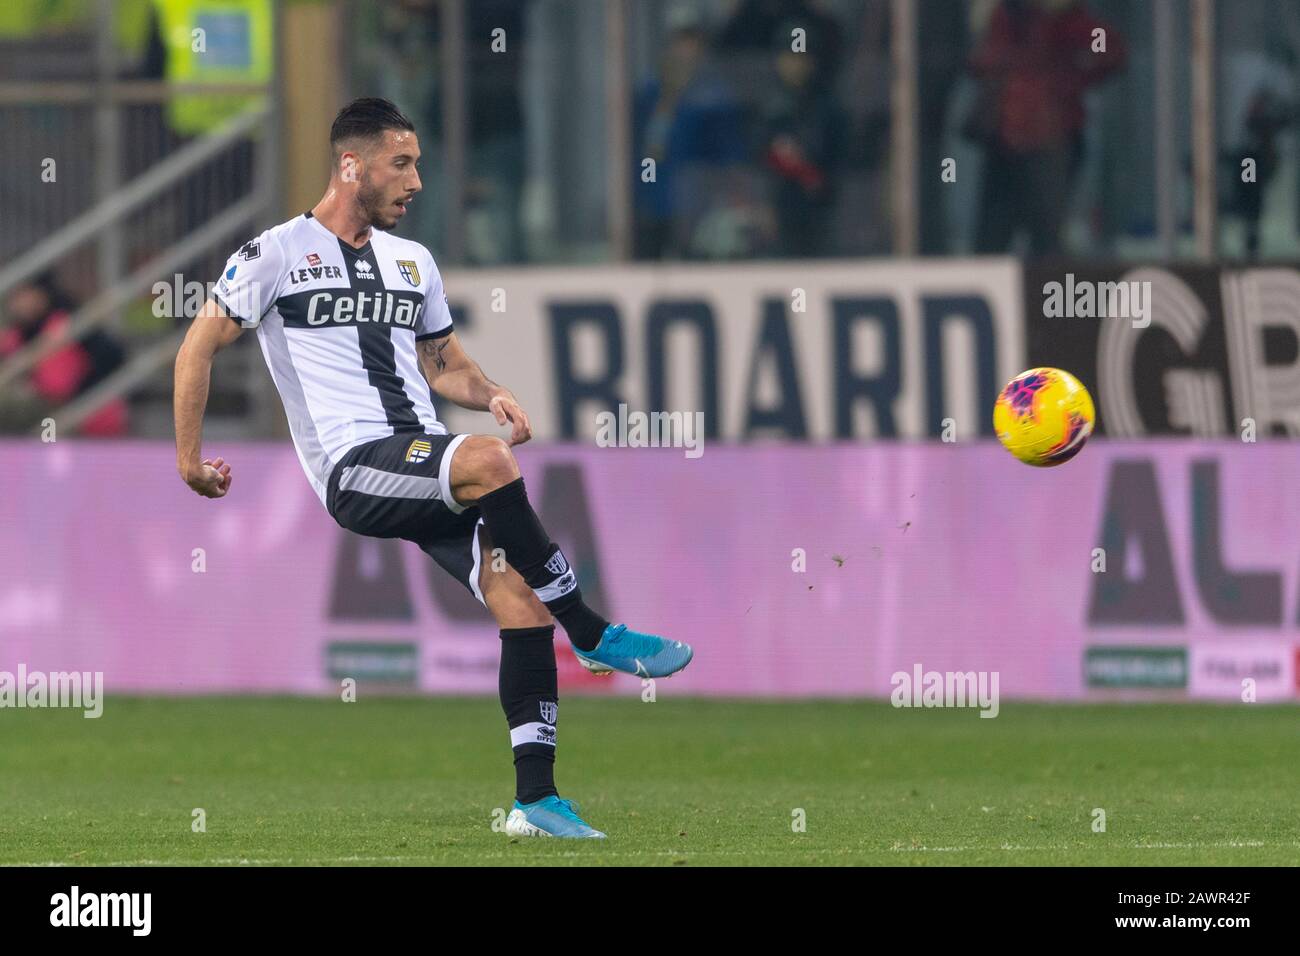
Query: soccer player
<point>348,317</point>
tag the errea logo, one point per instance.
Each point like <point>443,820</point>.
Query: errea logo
<point>363,269</point>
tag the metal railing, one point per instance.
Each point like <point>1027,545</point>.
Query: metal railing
<point>168,192</point>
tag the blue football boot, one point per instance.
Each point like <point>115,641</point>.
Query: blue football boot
<point>631,652</point>
<point>549,817</point>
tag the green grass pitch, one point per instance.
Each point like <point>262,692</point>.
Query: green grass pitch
<point>675,782</point>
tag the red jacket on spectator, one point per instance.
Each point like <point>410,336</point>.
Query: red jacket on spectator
<point>1041,63</point>
<point>58,377</point>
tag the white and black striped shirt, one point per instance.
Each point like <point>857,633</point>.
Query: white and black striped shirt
<point>338,328</point>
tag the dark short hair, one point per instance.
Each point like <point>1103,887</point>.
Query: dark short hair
<point>366,119</point>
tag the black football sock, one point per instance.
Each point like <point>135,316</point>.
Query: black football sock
<point>515,528</point>
<point>530,698</point>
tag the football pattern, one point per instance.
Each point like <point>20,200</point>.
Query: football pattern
<point>1044,416</point>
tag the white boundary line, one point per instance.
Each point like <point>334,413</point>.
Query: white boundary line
<point>598,853</point>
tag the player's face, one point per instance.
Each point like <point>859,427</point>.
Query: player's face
<point>389,179</point>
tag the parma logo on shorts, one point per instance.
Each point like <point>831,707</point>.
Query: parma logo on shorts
<point>418,451</point>
<point>409,271</point>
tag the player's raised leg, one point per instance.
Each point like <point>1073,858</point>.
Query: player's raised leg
<point>530,698</point>
<point>484,473</point>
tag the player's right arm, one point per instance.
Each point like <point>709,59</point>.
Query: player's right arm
<point>247,288</point>
<point>212,330</point>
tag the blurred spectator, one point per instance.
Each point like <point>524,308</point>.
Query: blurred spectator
<point>1034,64</point>
<point>690,124</point>
<point>800,142</point>
<point>38,311</point>
<point>238,46</point>
<point>1266,117</point>
<point>753,23</point>
<point>495,185</point>
<point>407,70</point>
<point>943,26</point>
<point>406,66</point>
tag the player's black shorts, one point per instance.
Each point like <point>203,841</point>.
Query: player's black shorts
<point>400,487</point>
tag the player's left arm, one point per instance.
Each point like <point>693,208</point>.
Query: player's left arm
<point>455,376</point>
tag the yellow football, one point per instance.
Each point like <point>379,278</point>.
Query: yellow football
<point>1044,416</point>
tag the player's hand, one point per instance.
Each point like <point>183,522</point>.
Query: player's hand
<point>211,479</point>
<point>507,410</point>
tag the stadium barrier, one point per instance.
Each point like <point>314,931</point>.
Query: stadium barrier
<point>1173,349</point>
<point>884,349</point>
<point>794,570</point>
<point>815,350</point>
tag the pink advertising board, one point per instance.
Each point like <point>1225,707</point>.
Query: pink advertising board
<point>794,570</point>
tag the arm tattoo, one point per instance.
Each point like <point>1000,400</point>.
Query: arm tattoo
<point>433,349</point>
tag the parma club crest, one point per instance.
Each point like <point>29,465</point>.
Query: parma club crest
<point>410,272</point>
<point>418,451</point>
